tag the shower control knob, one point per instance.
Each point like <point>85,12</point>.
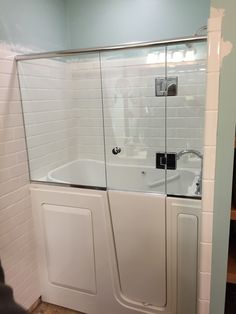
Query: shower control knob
<point>116,150</point>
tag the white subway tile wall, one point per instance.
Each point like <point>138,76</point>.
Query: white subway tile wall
<point>204,286</point>
<point>203,307</point>
<point>17,246</point>
<point>185,113</point>
<point>135,119</point>
<point>205,258</point>
<point>62,111</point>
<point>87,99</point>
<point>50,120</point>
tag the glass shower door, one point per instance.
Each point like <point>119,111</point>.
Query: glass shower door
<point>62,110</point>
<point>134,118</point>
<point>185,117</point>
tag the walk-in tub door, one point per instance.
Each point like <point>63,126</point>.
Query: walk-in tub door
<point>140,241</point>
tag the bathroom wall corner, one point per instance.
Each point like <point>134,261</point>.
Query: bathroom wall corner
<point>210,139</point>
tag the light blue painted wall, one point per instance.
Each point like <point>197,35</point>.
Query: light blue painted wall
<point>109,22</point>
<point>36,24</point>
<point>46,25</point>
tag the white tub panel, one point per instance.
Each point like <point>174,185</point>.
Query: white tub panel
<point>187,255</point>
<point>69,247</point>
<point>73,221</point>
<point>147,250</point>
<point>183,225</point>
<point>139,230</point>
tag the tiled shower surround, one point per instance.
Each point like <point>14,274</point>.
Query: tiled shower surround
<point>58,123</point>
<point>65,100</point>
<point>50,115</point>
<point>17,245</point>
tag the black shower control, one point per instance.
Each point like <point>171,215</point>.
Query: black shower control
<point>116,150</point>
<point>166,161</point>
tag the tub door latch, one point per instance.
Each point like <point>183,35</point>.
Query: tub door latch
<point>166,161</point>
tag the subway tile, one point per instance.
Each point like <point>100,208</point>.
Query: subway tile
<point>15,196</point>
<point>209,162</point>
<point>206,227</point>
<point>214,41</point>
<point>7,161</point>
<point>204,286</point>
<point>203,307</point>
<point>12,147</point>
<point>211,118</point>
<point>7,66</point>
<point>10,107</point>
<point>214,24</point>
<point>8,80</point>
<point>207,195</point>
<point>15,212</point>
<point>11,120</point>
<point>212,93</point>
<point>11,172</point>
<point>8,95</point>
<point>13,184</point>
<point>205,257</point>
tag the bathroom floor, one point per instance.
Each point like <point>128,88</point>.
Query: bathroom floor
<point>46,308</point>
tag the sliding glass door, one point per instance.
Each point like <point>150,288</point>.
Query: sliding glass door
<point>62,109</point>
<point>126,119</point>
<point>134,118</point>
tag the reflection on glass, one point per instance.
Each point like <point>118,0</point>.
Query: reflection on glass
<point>62,108</point>
<point>185,116</point>
<point>130,104</point>
<point>134,118</point>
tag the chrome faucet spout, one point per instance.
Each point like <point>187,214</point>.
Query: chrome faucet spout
<point>200,156</point>
<point>189,151</point>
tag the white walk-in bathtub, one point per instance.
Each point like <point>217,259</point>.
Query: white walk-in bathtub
<point>117,251</point>
<point>90,172</point>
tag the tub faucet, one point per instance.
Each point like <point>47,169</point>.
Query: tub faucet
<point>200,156</point>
